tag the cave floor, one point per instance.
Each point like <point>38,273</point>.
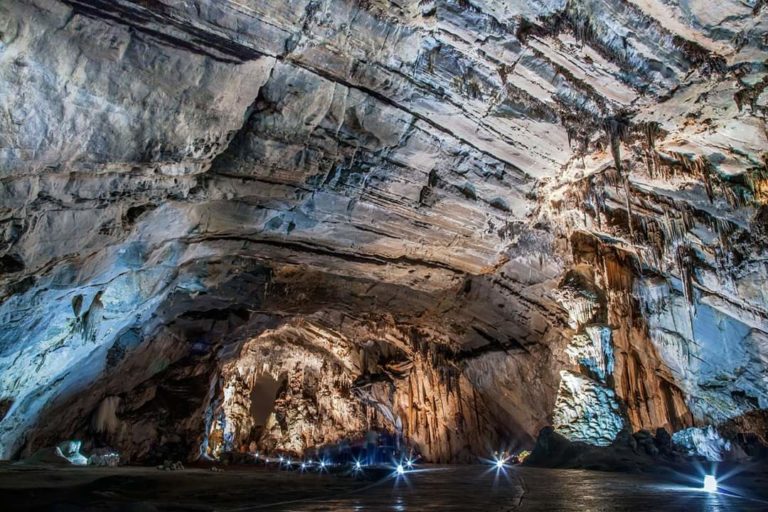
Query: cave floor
<point>433,488</point>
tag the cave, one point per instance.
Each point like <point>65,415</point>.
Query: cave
<point>383,254</point>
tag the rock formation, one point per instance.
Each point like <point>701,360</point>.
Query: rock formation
<point>456,220</point>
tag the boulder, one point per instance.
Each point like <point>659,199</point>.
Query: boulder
<point>703,442</point>
<point>104,457</point>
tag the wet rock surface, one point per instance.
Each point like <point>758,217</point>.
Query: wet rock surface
<point>455,221</point>
<point>432,488</point>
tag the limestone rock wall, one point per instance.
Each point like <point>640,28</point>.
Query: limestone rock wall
<point>334,387</point>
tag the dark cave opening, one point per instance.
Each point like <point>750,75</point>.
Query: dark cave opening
<point>264,393</point>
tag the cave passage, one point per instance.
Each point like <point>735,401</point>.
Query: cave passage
<point>362,244</point>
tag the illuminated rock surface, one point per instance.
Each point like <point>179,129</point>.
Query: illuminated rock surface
<point>459,221</point>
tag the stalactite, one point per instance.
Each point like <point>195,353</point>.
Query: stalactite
<point>651,132</point>
<point>698,167</point>
<point>685,261</point>
<point>475,408</point>
<point>616,150</point>
<point>410,400</point>
<point>617,277</point>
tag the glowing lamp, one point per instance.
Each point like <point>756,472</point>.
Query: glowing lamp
<point>710,483</point>
<point>409,463</point>
<point>400,469</point>
<point>358,467</point>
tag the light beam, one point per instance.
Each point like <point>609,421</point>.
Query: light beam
<point>710,483</point>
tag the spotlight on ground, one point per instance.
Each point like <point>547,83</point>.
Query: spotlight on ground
<point>500,462</point>
<point>710,483</point>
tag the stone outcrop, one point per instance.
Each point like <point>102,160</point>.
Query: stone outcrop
<point>459,221</point>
